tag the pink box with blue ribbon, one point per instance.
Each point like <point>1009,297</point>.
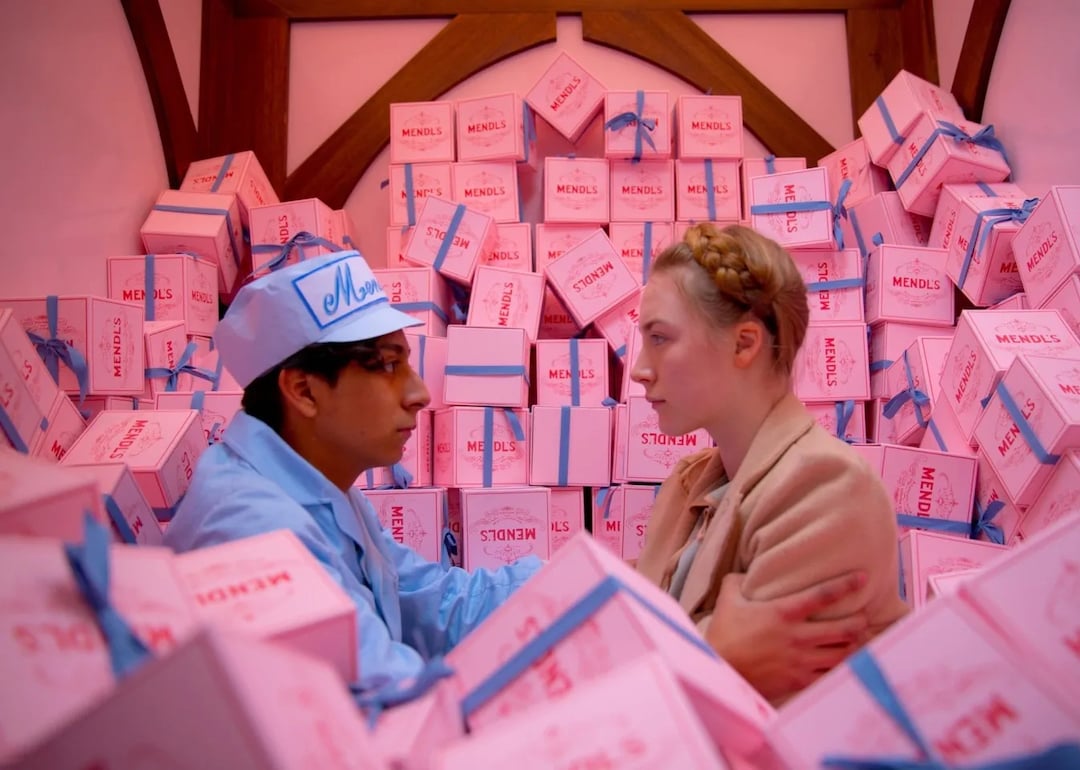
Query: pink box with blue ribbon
<point>795,208</point>
<point>913,387</point>
<point>28,390</point>
<point>571,446</point>
<point>239,174</point>
<point>216,408</point>
<point>832,364</point>
<point>487,366</point>
<point>427,357</point>
<point>887,343</point>
<point>567,515</point>
<point>638,502</point>
<point>642,191</point>
<point>882,219</point>
<point>852,163</point>
<point>422,132</point>
<point>637,125</point>
<point>556,323</point>
<point>125,506</point>
<point>709,126</point>
<point>413,469</point>
<point>451,238</point>
<point>66,424</point>
<point>930,490</point>
<point>171,287</point>
<point>608,513</point>
<point>506,299</point>
<point>1047,247</point>
<point>207,224</point>
<point>421,293</point>
<point>639,243</point>
<point>207,357</point>
<point>502,525</point>
<point>845,419</point>
<point>591,279</point>
<point>412,183</point>
<point>834,283</point>
<point>481,446</point>
<point>925,554</point>
<point>707,190</point>
<point>554,240</point>
<point>288,233</point>
<point>888,121</point>
<point>166,343</point>
<point>770,164</point>
<point>1059,499</point>
<point>943,432</point>
<point>571,372</point>
<point>997,519</point>
<point>42,500</point>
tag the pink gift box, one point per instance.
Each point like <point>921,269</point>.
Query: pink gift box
<point>637,511</point>
<point>834,284</point>
<point>1066,301</point>
<point>692,190</point>
<point>206,357</point>
<point>845,419</point>
<point>274,226</point>
<point>421,293</point>
<point>513,247</point>
<point>832,364</point>
<point>460,447</point>
<point>852,163</point>
<point>39,499</point>
<point>397,238</point>
<point>238,173</point>
<point>1047,247</point>
<point>924,554</point>
<point>416,459</point>
<point>944,232</point>
<point>986,342</point>
<point>991,500</point>
<point>348,234</point>
<point>567,97</point>
<point>27,391</point>
<point>971,698</point>
<point>427,179</point>
<point>927,161</point>
<point>1012,302</point>
<point>1059,499</point>
<point>609,510</point>
<point>709,126</point>
<point>493,128</point>
<point>882,217</point>
<point>888,341</point>
<point>505,524</point>
<point>184,288</point>
<point>651,454</point>
<point>943,433</point>
<point>631,618</point>
<point>236,702</point>
<point>576,190</point>
<point>271,587</point>
<point>488,187</point>
<point>901,104</point>
<point>554,240</point>
<point>107,332</point>
<point>925,359</point>
<point>752,167</point>
<point>123,499</point>
<point>66,424</point>
<point>421,132</point>
<point>427,357</point>
<point>556,323</point>
<point>567,515</point>
<point>602,723</point>
<point>161,448</point>
<point>413,517</point>
<point>591,279</point>
<point>216,408</point>
<point>1046,393</point>
<point>930,485</point>
<point>486,366</point>
<point>908,284</point>
<point>571,446</point>
<point>643,191</point>
<point>794,229</point>
<point>471,239</point>
<point>165,342</point>
<point>207,224</point>
<point>621,142</point>
<point>506,299</point>
<point>633,349</point>
<point>556,374</point>
<point>54,661</point>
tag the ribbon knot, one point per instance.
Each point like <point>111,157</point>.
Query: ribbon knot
<point>53,350</point>
<point>985,221</point>
<point>299,242</point>
<point>642,126</point>
<point>840,212</point>
<point>984,522</point>
<point>910,393</point>
<point>183,366</point>
<point>984,137</point>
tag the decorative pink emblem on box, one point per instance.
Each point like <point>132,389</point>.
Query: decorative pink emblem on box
<point>1047,247</point>
<point>907,284</point>
<point>567,97</point>
<point>488,187</point>
<point>504,525</point>
<point>567,515</point>
<point>709,126</point>
<point>793,208</point>
<point>832,363</point>
<point>834,283</point>
<point>693,201</point>
<point>184,288</point>
<point>513,247</point>
<point>463,456</point>
<point>493,128</point>
<point>556,374</point>
<point>930,485</point>
<point>650,453</point>
<point>576,190</point>
<point>506,299</point>
<point>752,167</point>
<point>470,236</point>
<point>643,191</point>
<point>427,179</point>
<point>620,139</point>
<point>421,131</point>
<point>591,279</point>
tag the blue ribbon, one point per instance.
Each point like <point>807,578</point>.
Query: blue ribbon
<point>422,307</point>
<point>1026,431</point>
<point>299,242</point>
<point>984,522</point>
<point>890,126</point>
<point>710,191</point>
<point>620,352</point>
<point>938,438</point>
<point>399,692</point>
<point>770,164</point>
<point>877,366</point>
<point>528,123</point>
<point>116,516</point>
<point>148,287</point>
<point>198,401</point>
<point>410,191</point>
<point>422,354</point>
<point>987,189</point>
<point>646,252</point>
<point>902,582</point>
<point>859,241</point>
<point>934,525</point>
<point>839,283</point>
<point>783,208</point>
<point>172,376</point>
<point>641,126</point>
<point>7,425</point>
<point>400,476</point>
<point>984,137</point>
<point>449,545</point>
<point>89,563</point>
<point>603,499</point>
<point>209,212</point>
<point>564,625</point>
<point>451,231</point>
<point>575,373</point>
<point>489,438</point>
<point>844,411</point>
<point>839,212</point>
<point>910,393</point>
<point>990,218</point>
<point>564,445</point>
<point>488,370</point>
<point>54,350</point>
<point>220,176</point>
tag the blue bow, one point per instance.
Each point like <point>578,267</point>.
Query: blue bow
<point>54,350</point>
<point>844,411</point>
<point>172,376</point>
<point>397,693</point>
<point>301,241</point>
<point>641,124</point>
<point>839,212</point>
<point>984,137</point>
<point>984,522</point>
<point>984,223</point>
<point>910,393</point>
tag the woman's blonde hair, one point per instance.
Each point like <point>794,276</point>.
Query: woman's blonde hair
<point>734,271</point>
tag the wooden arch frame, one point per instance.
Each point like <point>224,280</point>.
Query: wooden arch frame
<point>243,98</point>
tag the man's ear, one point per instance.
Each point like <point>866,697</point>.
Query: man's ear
<point>296,391</point>
<point>749,341</point>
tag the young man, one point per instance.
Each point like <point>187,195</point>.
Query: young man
<point>328,394</point>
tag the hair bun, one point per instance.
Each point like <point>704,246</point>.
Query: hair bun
<point>737,275</point>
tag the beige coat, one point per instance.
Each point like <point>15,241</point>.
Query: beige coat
<point>803,507</point>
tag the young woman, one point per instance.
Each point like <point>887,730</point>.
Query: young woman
<point>779,504</point>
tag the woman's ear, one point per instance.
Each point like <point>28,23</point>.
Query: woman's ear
<point>750,338</point>
<point>296,392</point>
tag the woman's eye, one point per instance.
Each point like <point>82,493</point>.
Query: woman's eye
<point>656,339</point>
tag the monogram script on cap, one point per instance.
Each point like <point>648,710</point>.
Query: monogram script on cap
<point>338,290</point>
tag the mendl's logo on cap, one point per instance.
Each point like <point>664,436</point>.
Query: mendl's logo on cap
<point>337,290</point>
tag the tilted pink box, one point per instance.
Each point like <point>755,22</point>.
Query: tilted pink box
<point>486,366</point>
<point>556,375</point>
<point>845,419</point>
<point>426,179</point>
<point>930,485</point>
<point>1059,499</point>
<point>617,324</point>
<point>27,390</point>
<point>692,198</point>
<point>554,240</point>
<point>1047,247</point>
<point>39,499</point>
<point>832,364</point>
<point>985,344</point>
<point>238,173</point>
<point>819,268</point>
<point>577,190</point>
<point>427,357</point>
<point>888,341</point>
<point>416,459</point>
<point>271,587</point>
<point>184,288</point>
<point>493,128</point>
<point>505,524</point>
<point>421,132</point>
<point>943,433</point>
<point>924,554</point>
<point>908,284</point>
<point>107,332</point>
<point>54,662</point>
<point>207,224</point>
<point>274,226</point>
<point>161,448</point>
<point>1066,300</point>
<point>490,187</point>
<point>460,447</point>
<point>506,299</point>
<point>888,121</point>
<point>121,494</point>
<point>991,500</point>
<point>643,191</point>
<point>882,217</point>
<point>471,239</point>
<point>513,249</point>
<point>571,446</point>
<point>216,408</point>
<point>66,424</point>
<point>591,279</point>
<point>556,323</point>
<point>924,359</point>
<point>752,167</point>
<point>567,97</point>
<point>709,126</point>
<point>413,517</point>
<point>420,292</point>
<point>1046,392</point>
<point>651,454</point>
<point>567,515</point>
<point>637,511</point>
<point>165,342</point>
<point>622,142</point>
<point>396,240</point>
<point>633,350</point>
<point>634,619</point>
<point>794,229</point>
<point>852,163</point>
<point>259,705</point>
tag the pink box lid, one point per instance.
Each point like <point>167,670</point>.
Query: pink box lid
<point>478,348</point>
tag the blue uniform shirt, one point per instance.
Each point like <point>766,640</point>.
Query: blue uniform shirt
<point>407,608</point>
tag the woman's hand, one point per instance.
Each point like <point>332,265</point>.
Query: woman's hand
<point>776,645</point>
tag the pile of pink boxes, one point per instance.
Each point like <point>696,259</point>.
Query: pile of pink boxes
<point>536,432</point>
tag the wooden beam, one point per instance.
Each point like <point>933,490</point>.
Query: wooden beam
<point>244,87</point>
<point>702,62</point>
<point>977,55</point>
<point>325,10</point>
<point>465,46</point>
<point>179,139</point>
<point>875,55</point>
<point>920,43</point>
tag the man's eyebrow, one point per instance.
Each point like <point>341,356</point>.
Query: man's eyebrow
<point>393,347</point>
